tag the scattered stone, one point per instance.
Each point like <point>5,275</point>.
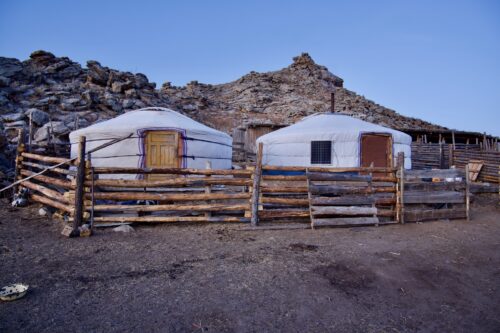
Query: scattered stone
<point>124,228</point>
<point>43,211</point>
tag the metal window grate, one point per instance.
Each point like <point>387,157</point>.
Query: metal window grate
<point>321,152</point>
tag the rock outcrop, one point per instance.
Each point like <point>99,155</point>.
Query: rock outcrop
<point>59,95</point>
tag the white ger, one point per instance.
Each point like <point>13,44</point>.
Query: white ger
<point>335,140</point>
<point>159,137</point>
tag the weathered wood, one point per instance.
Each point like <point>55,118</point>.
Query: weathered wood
<point>435,186</point>
<point>271,214</point>
<point>344,221</point>
<point>423,197</point>
<point>343,210</point>
<point>325,169</point>
<point>19,151</point>
<point>467,192</point>
<point>284,178</point>
<point>208,188</point>
<point>52,203</point>
<point>66,184</point>
<point>483,188</point>
<point>49,159</point>
<point>386,213</point>
<point>122,196</point>
<point>402,174</point>
<point>343,200</point>
<point>317,176</point>
<point>283,189</point>
<point>177,182</point>
<point>79,189</point>
<point>285,201</point>
<point>435,214</point>
<point>163,219</point>
<point>51,194</point>
<point>158,208</point>
<point>174,171</point>
<point>339,189</point>
<point>42,167</point>
<point>434,173</point>
<point>256,186</point>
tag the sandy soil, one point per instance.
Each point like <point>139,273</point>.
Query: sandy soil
<point>430,277</point>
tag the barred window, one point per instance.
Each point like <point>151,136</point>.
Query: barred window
<point>321,152</point>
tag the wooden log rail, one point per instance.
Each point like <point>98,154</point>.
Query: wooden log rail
<point>172,171</point>
<point>51,187</point>
<point>49,159</point>
<point>178,182</point>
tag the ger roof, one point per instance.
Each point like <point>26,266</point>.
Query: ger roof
<point>330,126</point>
<point>151,117</point>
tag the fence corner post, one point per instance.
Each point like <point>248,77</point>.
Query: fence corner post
<point>19,158</point>
<point>79,190</point>
<point>256,186</point>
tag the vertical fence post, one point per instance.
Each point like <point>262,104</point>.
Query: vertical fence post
<point>208,187</point>
<point>80,184</point>
<point>256,186</point>
<point>19,158</point>
<point>30,135</point>
<point>400,188</point>
<point>467,191</point>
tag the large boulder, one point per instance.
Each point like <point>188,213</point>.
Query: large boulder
<point>38,117</point>
<point>96,73</point>
<point>56,128</point>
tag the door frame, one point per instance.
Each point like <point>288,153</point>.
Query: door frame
<point>390,146</point>
<point>181,147</point>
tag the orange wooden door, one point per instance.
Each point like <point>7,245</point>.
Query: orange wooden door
<point>162,149</point>
<point>376,149</point>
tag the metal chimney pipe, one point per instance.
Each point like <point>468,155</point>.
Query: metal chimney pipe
<point>332,98</point>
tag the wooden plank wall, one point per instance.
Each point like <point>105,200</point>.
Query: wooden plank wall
<point>490,159</point>
<point>434,194</point>
<point>441,156</point>
<point>285,194</point>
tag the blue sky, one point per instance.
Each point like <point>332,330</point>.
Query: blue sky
<point>435,60</point>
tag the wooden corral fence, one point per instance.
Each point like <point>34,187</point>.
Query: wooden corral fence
<point>489,158</point>
<point>443,156</point>
<point>188,195</point>
<point>434,194</point>
<point>328,196</point>
<point>260,194</point>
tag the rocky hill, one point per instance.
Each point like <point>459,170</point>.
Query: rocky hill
<point>282,96</point>
<point>61,95</point>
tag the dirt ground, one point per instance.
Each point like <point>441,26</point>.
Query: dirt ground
<point>428,277</point>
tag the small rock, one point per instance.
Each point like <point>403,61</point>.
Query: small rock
<point>12,117</point>
<point>124,228</point>
<point>17,124</point>
<point>43,211</point>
